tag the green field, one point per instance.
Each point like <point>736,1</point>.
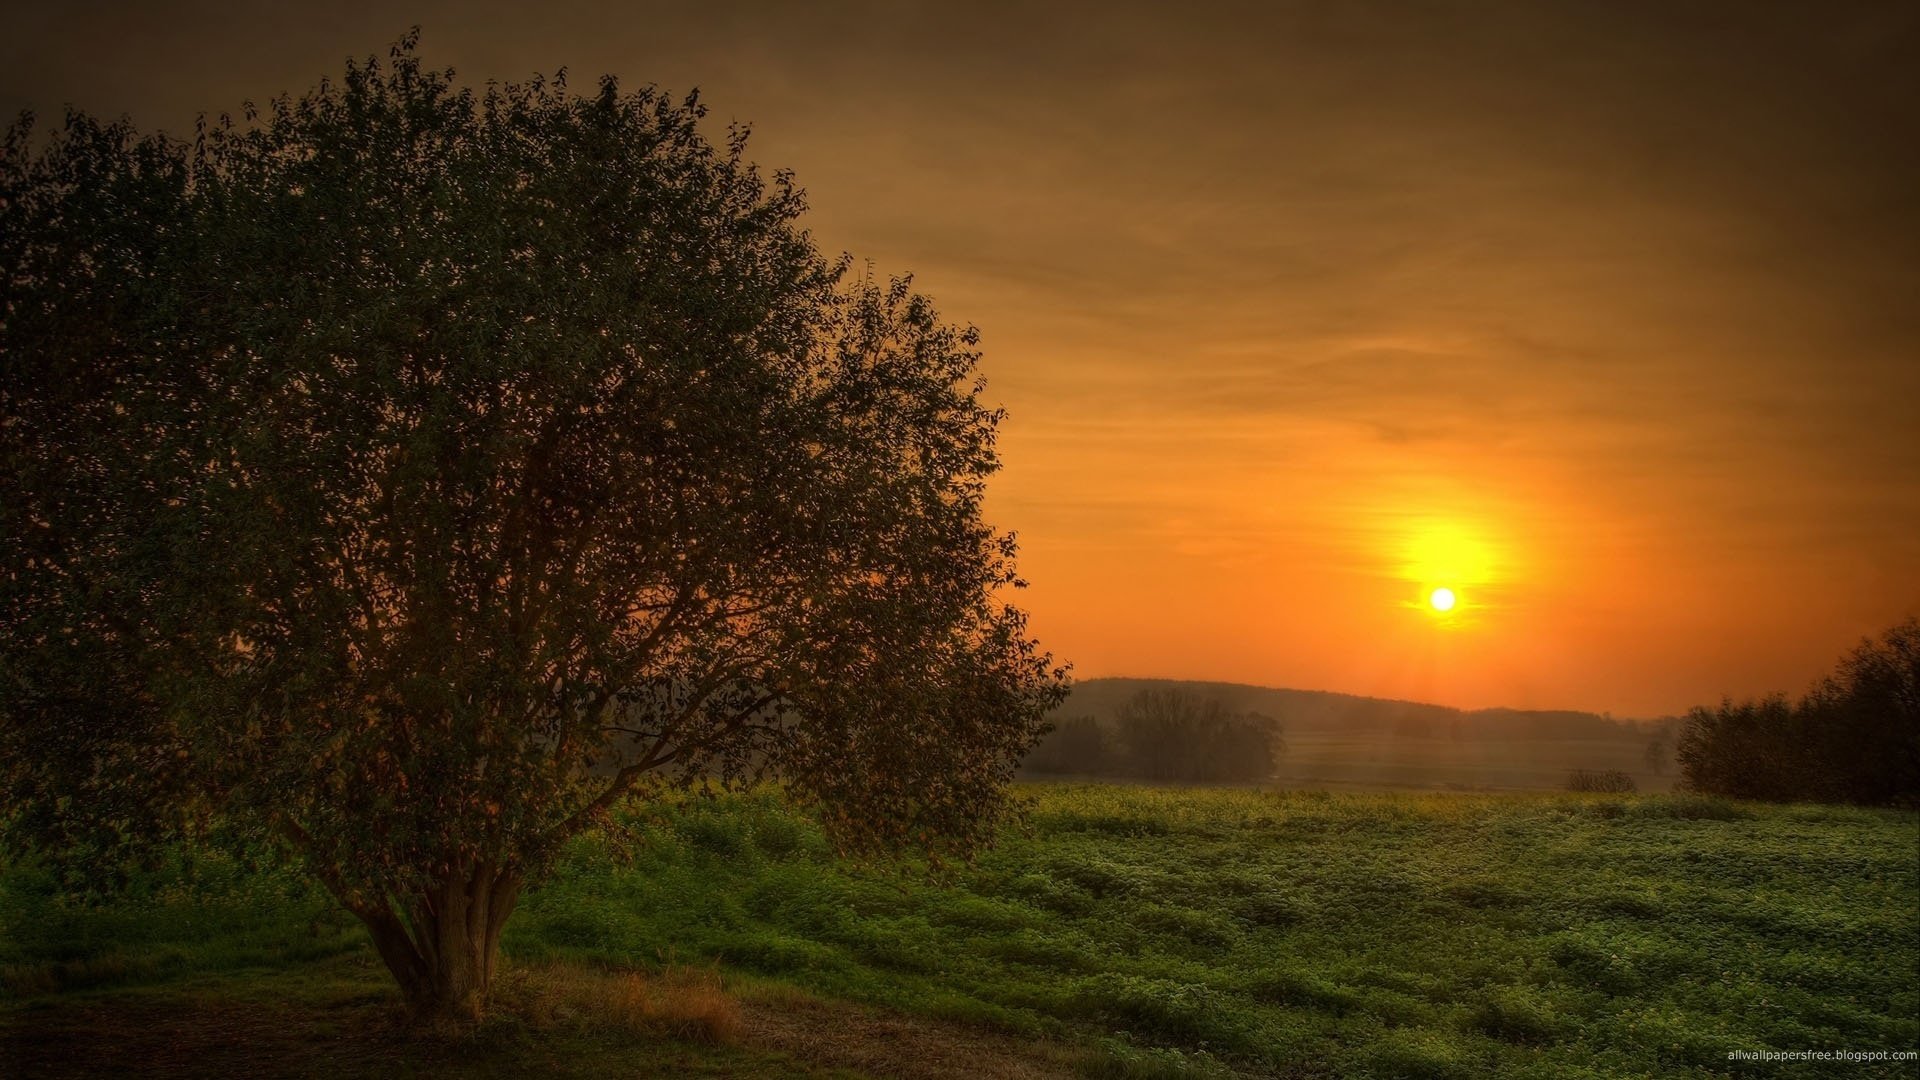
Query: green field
<point>1374,761</point>
<point>1128,931</point>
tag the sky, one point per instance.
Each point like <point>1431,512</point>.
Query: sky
<point>1605,316</point>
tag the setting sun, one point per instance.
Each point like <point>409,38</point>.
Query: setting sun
<point>1441,599</point>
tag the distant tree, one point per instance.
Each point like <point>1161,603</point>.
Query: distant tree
<point>1608,781</point>
<point>409,475</point>
<point>1077,745</point>
<point>1175,734</point>
<point>1659,750</point>
<point>1854,738</point>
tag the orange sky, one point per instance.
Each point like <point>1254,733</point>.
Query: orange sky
<point>1609,314</point>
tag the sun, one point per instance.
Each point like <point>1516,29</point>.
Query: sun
<point>1442,599</point>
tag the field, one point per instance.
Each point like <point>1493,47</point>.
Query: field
<point>1368,761</point>
<point>1127,932</point>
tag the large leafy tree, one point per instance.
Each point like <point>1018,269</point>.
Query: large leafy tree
<point>411,475</point>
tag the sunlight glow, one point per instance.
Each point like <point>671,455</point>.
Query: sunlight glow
<point>1438,551</point>
<point>1449,566</point>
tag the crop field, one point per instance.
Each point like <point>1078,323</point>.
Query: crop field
<point>1127,931</point>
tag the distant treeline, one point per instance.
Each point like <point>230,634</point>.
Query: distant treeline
<point>1605,781</point>
<point>1855,737</point>
<point>1165,734</point>
<point>1320,710</point>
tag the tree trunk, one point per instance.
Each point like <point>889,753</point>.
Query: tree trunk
<point>442,950</point>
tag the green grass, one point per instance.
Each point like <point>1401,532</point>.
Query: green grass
<point>1193,932</point>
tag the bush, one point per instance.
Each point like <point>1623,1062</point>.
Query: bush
<point>1611,781</point>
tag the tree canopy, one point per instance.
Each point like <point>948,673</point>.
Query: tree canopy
<point>1854,737</point>
<point>410,473</point>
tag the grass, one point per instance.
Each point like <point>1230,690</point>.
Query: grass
<point>685,1004</point>
<point>1172,932</point>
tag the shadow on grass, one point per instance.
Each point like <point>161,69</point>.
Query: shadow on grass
<point>341,1018</point>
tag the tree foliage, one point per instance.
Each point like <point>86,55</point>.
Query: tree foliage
<point>1855,737</point>
<point>411,473</point>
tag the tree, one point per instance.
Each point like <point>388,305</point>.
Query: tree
<point>409,475</point>
<point>1748,750</point>
<point>1866,718</point>
<point>1659,749</point>
<point>1176,734</point>
<point>1855,737</point>
<point>1075,745</point>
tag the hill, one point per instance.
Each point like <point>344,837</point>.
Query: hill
<point>1348,741</point>
<point>1325,710</point>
